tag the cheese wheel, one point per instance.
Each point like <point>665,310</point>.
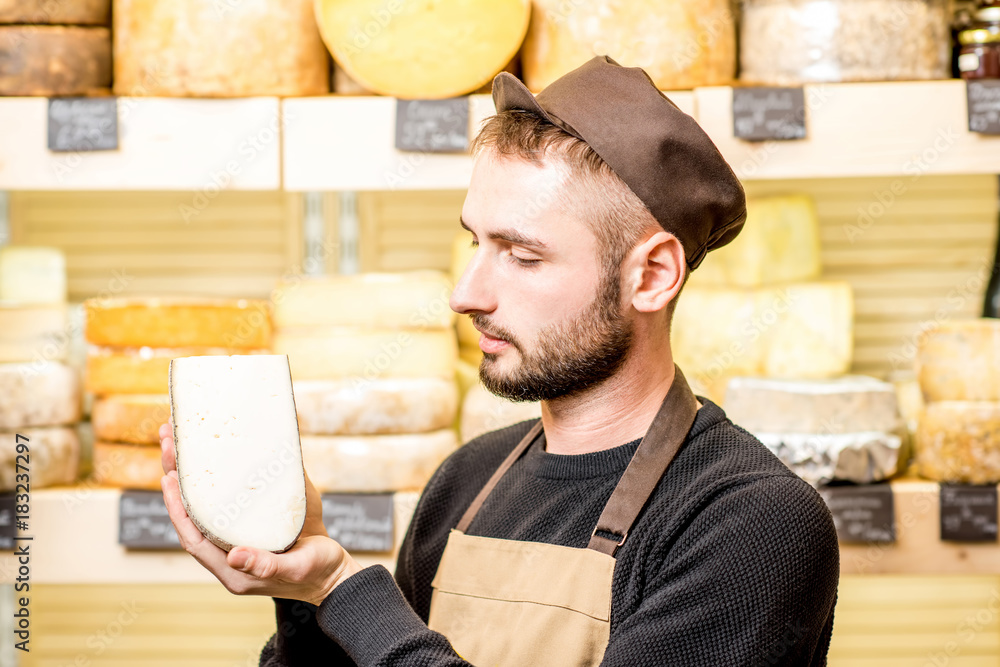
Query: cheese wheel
<point>357,406</point>
<point>138,370</point>
<point>375,463</point>
<point>819,458</point>
<point>423,50</point>
<point>38,333</point>
<point>412,299</point>
<point>193,48</point>
<point>127,466</point>
<point>483,412</point>
<point>44,394</point>
<point>679,43</point>
<point>960,361</point>
<point>325,353</point>
<point>54,60</point>
<point>54,457</point>
<point>162,322</point>
<point>132,418</point>
<point>959,441</point>
<point>65,12</point>
<point>32,275</point>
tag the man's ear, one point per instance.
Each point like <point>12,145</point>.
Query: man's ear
<point>656,271</point>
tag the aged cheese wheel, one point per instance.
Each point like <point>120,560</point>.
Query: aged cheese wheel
<point>422,50</point>
<point>65,12</point>
<point>680,43</point>
<point>357,406</point>
<point>161,322</point>
<point>132,418</point>
<point>138,370</point>
<point>45,394</point>
<point>483,412</point>
<point>195,48</point>
<point>959,441</point>
<point>375,463</point>
<point>54,457</point>
<point>412,299</point>
<point>37,332</point>
<point>54,60</point>
<point>325,353</point>
<point>30,274</point>
<point>127,466</point>
<point>960,361</point>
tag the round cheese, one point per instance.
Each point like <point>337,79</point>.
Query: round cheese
<point>38,333</point>
<point>43,394</point>
<point>959,441</point>
<point>32,274</point>
<point>127,466</point>
<point>54,457</point>
<point>138,370</point>
<point>483,412</point>
<point>134,418</point>
<point>960,361</point>
<point>64,12</point>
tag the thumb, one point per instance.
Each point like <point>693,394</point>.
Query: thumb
<point>256,562</point>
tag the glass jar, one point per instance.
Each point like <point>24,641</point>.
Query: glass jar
<point>979,46</point>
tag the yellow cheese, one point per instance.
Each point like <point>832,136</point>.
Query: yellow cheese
<point>33,332</point>
<point>483,412</point>
<point>960,361</point>
<point>779,243</point>
<point>714,333</point>
<point>43,394</point>
<point>54,457</point>
<point>31,274</point>
<point>133,418</point>
<point>959,441</point>
<point>422,50</point>
<point>680,44</point>
<point>815,337</point>
<point>164,322</point>
<point>413,299</point>
<point>323,353</point>
<point>139,370</point>
<point>127,466</point>
<point>374,463</point>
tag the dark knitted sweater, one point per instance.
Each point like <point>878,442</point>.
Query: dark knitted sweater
<point>734,560</point>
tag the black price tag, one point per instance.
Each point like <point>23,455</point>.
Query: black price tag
<point>760,114</point>
<point>862,514</point>
<point>968,513</point>
<point>143,522</point>
<point>983,97</point>
<point>7,530</point>
<point>83,124</point>
<point>360,522</point>
<point>435,126</point>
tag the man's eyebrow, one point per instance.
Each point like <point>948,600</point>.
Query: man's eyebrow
<point>510,236</point>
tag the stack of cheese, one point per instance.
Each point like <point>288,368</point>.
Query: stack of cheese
<point>132,341</point>
<point>958,434</point>
<point>756,308</point>
<point>848,429</point>
<point>373,369</point>
<point>39,393</point>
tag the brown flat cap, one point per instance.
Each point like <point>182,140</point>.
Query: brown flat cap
<point>660,152</point>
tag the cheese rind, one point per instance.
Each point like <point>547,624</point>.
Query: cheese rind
<point>54,457</point>
<point>375,463</point>
<point>960,361</point>
<point>51,60</point>
<point>132,418</point>
<point>820,458</point>
<point>32,274</point>
<point>138,370</point>
<point>959,441</point>
<point>46,394</point>
<point>483,412</point>
<point>127,466</point>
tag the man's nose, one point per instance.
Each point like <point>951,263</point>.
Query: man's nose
<point>474,291</point>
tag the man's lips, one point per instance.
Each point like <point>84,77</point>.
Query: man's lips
<point>490,344</point>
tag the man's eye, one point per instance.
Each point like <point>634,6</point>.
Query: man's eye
<point>524,262</point>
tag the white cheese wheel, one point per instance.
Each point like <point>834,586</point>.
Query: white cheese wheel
<point>127,466</point>
<point>53,60</point>
<point>61,12</point>
<point>959,441</point>
<point>132,418</point>
<point>412,299</point>
<point>483,412</point>
<point>960,361</point>
<point>38,332</point>
<point>53,457</point>
<point>45,394</point>
<point>421,50</point>
<point>356,406</point>
<point>375,463</point>
<point>30,274</point>
<point>194,48</point>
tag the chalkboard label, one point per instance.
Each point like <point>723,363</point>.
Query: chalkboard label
<point>760,114</point>
<point>7,530</point>
<point>143,522</point>
<point>83,124</point>
<point>983,97</point>
<point>359,522</point>
<point>968,513</point>
<point>435,126</point>
<point>862,514</point>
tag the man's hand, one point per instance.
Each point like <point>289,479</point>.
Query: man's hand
<point>308,571</point>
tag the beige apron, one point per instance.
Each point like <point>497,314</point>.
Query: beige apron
<point>506,602</point>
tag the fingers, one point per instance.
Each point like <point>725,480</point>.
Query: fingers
<point>167,457</point>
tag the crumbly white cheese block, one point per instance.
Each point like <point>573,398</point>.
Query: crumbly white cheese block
<point>814,338</point>
<point>821,458</point>
<point>127,466</point>
<point>324,353</point>
<point>178,322</point>
<point>139,370</point>
<point>36,332</point>
<point>375,463</point>
<point>32,274</point>
<point>355,406</point>
<point>483,412</point>
<point>960,361</point>
<point>133,418</point>
<point>53,457</point>
<point>848,404</point>
<point>959,441</point>
<point>42,394</point>
<point>236,440</point>
<point>413,299</point>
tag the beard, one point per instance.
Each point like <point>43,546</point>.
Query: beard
<point>569,357</point>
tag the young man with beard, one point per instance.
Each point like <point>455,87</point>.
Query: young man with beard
<point>633,524</point>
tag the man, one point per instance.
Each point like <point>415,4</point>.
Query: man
<point>633,524</point>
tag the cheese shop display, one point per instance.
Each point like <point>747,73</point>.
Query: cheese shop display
<point>54,456</point>
<point>960,361</point>
<point>483,412</point>
<point>61,12</point>
<point>959,442</point>
<point>423,50</point>
<point>139,370</point>
<point>45,394</point>
<point>791,42</point>
<point>32,275</point>
<point>50,60</point>
<point>131,418</point>
<point>127,466</point>
<point>375,463</point>
<point>193,48</point>
<point>680,43</point>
